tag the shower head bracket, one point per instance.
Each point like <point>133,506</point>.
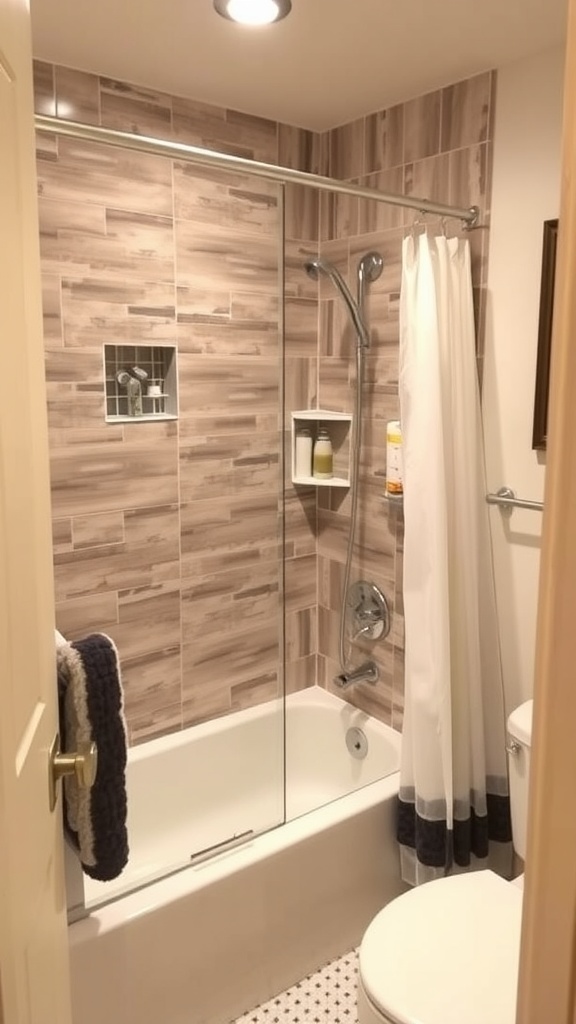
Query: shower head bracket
<point>473,220</point>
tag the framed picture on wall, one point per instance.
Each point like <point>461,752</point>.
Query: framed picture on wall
<point>540,425</point>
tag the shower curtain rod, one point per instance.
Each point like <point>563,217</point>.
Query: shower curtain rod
<point>212,158</point>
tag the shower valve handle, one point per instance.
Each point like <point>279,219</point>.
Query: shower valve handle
<point>370,614</point>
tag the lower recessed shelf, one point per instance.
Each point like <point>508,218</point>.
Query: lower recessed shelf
<point>313,481</point>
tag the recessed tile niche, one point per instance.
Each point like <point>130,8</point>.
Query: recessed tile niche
<point>141,383</point>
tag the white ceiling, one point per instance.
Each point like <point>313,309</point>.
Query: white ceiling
<point>329,62</point>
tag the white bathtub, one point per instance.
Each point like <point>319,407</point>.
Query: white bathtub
<point>220,936</point>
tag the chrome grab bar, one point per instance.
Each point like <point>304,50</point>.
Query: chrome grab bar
<point>507,500</point>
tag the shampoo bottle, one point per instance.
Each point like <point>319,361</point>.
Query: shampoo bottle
<point>394,459</point>
<point>323,459</point>
<point>303,461</point>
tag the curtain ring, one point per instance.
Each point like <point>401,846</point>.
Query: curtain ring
<point>416,223</point>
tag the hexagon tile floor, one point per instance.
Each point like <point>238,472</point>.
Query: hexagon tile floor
<point>326,997</point>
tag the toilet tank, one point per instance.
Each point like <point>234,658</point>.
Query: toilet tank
<point>519,743</point>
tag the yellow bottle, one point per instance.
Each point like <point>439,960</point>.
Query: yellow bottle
<point>394,458</point>
<point>323,459</point>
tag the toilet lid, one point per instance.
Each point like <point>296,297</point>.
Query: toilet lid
<point>520,723</point>
<point>446,952</point>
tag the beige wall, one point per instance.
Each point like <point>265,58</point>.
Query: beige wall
<point>525,192</point>
<point>167,535</point>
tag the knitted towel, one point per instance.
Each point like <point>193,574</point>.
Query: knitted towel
<point>91,711</point>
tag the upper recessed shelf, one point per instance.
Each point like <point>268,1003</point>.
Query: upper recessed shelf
<point>141,383</point>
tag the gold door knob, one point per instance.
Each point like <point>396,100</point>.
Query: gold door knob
<point>83,763</point>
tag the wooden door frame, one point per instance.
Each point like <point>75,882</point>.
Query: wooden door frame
<point>33,927</point>
<point>547,964</point>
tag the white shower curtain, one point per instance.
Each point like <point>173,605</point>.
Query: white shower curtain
<point>453,782</point>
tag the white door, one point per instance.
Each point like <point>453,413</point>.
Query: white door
<point>33,943</point>
<point>547,985</point>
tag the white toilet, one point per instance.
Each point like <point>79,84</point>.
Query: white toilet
<point>447,952</point>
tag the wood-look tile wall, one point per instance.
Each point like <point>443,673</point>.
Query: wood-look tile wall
<point>437,146</point>
<point>167,536</point>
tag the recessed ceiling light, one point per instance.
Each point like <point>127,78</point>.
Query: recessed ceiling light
<point>253,12</point>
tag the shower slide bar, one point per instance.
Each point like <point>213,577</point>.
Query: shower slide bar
<point>212,158</point>
<point>507,500</point>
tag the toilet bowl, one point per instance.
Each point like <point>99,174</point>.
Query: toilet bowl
<point>447,952</point>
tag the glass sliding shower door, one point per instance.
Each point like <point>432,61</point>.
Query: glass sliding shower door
<point>229,244</point>
<point>169,528</point>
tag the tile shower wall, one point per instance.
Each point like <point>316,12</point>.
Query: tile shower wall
<point>436,146</point>
<point>167,535</point>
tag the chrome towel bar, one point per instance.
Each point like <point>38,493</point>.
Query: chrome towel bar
<point>507,500</point>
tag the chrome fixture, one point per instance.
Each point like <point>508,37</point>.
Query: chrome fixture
<point>507,501</point>
<point>253,12</point>
<point>369,269</point>
<point>366,673</point>
<point>319,266</point>
<point>369,611</point>
<point>356,742</point>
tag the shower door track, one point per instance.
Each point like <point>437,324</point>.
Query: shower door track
<point>213,158</point>
<point>227,844</point>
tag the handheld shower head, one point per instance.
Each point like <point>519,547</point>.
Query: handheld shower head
<point>369,270</point>
<point>317,266</point>
<point>370,267</point>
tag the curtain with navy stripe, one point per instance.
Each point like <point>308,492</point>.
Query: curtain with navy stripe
<point>453,810</point>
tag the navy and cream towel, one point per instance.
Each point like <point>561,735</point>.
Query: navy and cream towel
<point>91,711</point>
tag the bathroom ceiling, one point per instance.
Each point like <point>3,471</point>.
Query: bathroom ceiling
<point>329,62</point>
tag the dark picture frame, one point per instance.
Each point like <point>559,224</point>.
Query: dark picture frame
<point>540,425</point>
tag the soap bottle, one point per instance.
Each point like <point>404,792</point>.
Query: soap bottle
<point>303,460</point>
<point>323,459</point>
<point>394,469</point>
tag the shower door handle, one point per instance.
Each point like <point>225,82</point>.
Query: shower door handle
<point>82,763</point>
